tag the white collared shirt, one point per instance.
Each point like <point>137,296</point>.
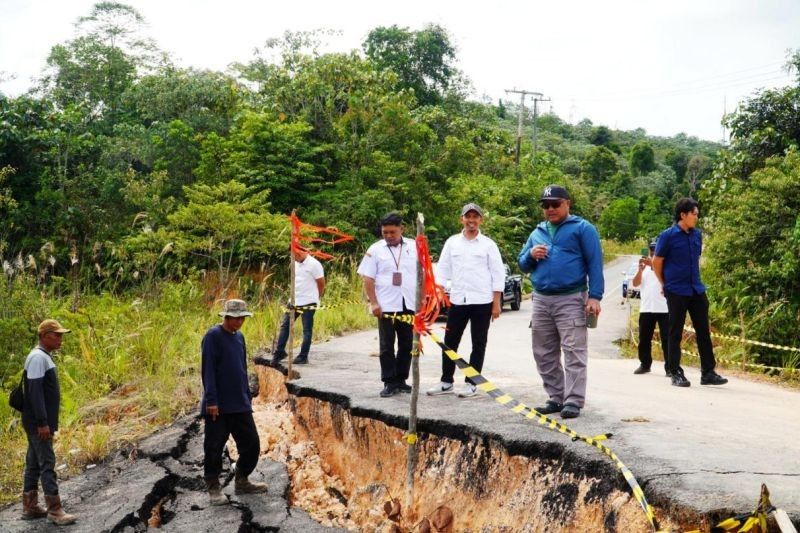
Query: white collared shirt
<point>381,262</point>
<point>650,292</point>
<point>474,268</point>
<point>306,274</point>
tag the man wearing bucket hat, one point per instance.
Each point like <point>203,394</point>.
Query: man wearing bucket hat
<point>565,261</point>
<point>472,262</point>
<point>226,405</point>
<point>40,420</point>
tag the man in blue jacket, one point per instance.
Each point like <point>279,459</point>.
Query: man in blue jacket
<point>565,261</point>
<point>226,403</point>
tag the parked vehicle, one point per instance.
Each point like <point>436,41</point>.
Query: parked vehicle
<point>512,293</point>
<point>627,281</point>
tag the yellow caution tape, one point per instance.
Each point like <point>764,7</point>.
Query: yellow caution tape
<point>314,307</point>
<point>747,521</point>
<point>532,414</point>
<point>747,365</point>
<point>411,438</point>
<point>747,341</point>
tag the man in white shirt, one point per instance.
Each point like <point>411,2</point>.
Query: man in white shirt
<point>309,286</point>
<point>472,263</point>
<point>652,311</point>
<point>389,271</point>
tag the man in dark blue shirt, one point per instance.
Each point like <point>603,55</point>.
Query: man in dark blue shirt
<point>677,266</point>
<point>226,404</point>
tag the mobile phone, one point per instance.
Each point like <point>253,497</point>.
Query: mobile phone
<point>645,252</point>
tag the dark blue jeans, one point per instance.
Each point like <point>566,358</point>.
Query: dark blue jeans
<point>40,463</point>
<point>307,318</point>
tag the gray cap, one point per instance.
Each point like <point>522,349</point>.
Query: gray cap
<point>471,207</point>
<point>235,309</point>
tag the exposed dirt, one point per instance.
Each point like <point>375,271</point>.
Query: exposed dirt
<point>344,468</point>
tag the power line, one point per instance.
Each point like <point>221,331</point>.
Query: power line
<point>522,94</point>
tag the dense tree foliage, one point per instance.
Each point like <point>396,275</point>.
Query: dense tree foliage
<point>121,156</point>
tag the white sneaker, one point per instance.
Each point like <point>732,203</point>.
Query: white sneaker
<point>440,388</point>
<point>468,391</point>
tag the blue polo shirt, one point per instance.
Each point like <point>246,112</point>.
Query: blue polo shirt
<point>681,252</point>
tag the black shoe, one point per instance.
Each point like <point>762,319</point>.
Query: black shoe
<point>642,370</point>
<point>679,380</point>
<point>570,411</point>
<point>550,407</point>
<point>301,361</point>
<point>277,358</point>
<point>403,387</point>
<point>389,390</point>
<point>712,378</point>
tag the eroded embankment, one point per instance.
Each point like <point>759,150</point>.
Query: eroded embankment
<point>359,462</point>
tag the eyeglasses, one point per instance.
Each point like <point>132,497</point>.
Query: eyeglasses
<point>551,205</point>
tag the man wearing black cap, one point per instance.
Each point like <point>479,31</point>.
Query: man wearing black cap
<point>565,261</point>
<point>471,261</point>
<point>652,311</point>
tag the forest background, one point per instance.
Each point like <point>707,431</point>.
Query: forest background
<point>135,194</point>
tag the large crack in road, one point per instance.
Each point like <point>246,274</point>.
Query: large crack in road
<point>159,483</point>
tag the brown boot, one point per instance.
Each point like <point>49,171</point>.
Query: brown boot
<point>242,485</point>
<point>215,496</point>
<point>30,506</point>
<point>55,513</point>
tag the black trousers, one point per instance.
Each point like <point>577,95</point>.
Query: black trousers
<point>245,434</point>
<point>395,367</point>
<point>697,306</point>
<point>647,326</point>
<point>479,317</point>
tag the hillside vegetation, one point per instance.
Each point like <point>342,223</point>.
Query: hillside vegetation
<point>135,194</point>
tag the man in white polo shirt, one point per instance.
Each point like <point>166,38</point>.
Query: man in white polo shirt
<point>389,271</point>
<point>652,311</point>
<point>472,263</point>
<point>309,286</point>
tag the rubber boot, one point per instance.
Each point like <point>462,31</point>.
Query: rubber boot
<point>242,485</point>
<point>30,506</point>
<point>215,496</point>
<point>55,513</point>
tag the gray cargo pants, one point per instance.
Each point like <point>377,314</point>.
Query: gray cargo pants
<point>559,324</point>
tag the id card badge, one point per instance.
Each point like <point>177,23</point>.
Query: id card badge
<point>397,278</point>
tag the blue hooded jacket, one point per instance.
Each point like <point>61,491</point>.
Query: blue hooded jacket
<point>573,254</point>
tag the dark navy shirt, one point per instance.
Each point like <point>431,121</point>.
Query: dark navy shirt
<point>681,252</point>
<point>41,392</point>
<point>224,370</point>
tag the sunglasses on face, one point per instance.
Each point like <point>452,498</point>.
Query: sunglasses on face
<point>551,205</point>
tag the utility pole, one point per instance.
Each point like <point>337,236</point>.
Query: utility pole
<point>522,93</point>
<point>536,100</point>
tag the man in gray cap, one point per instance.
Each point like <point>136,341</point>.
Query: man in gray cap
<point>472,263</point>
<point>226,404</point>
<point>565,261</point>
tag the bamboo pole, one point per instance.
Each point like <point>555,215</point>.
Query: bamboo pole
<point>290,313</point>
<point>411,452</point>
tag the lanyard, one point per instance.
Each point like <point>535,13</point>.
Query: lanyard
<point>399,256</point>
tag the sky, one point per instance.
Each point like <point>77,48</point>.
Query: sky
<point>667,67</point>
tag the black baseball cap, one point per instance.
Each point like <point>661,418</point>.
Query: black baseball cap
<point>554,192</point>
<point>652,245</point>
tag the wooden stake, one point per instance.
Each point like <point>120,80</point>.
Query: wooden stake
<point>290,343</point>
<point>411,452</point>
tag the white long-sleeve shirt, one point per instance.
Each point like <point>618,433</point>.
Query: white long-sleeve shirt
<point>474,268</point>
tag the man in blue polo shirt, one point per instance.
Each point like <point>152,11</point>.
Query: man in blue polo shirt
<point>677,265</point>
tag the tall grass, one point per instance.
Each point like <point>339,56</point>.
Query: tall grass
<point>132,364</point>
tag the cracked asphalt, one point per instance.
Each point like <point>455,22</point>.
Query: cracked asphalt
<point>699,452</point>
<point>167,468</point>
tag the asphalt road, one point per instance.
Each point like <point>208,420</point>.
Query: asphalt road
<point>705,448</point>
